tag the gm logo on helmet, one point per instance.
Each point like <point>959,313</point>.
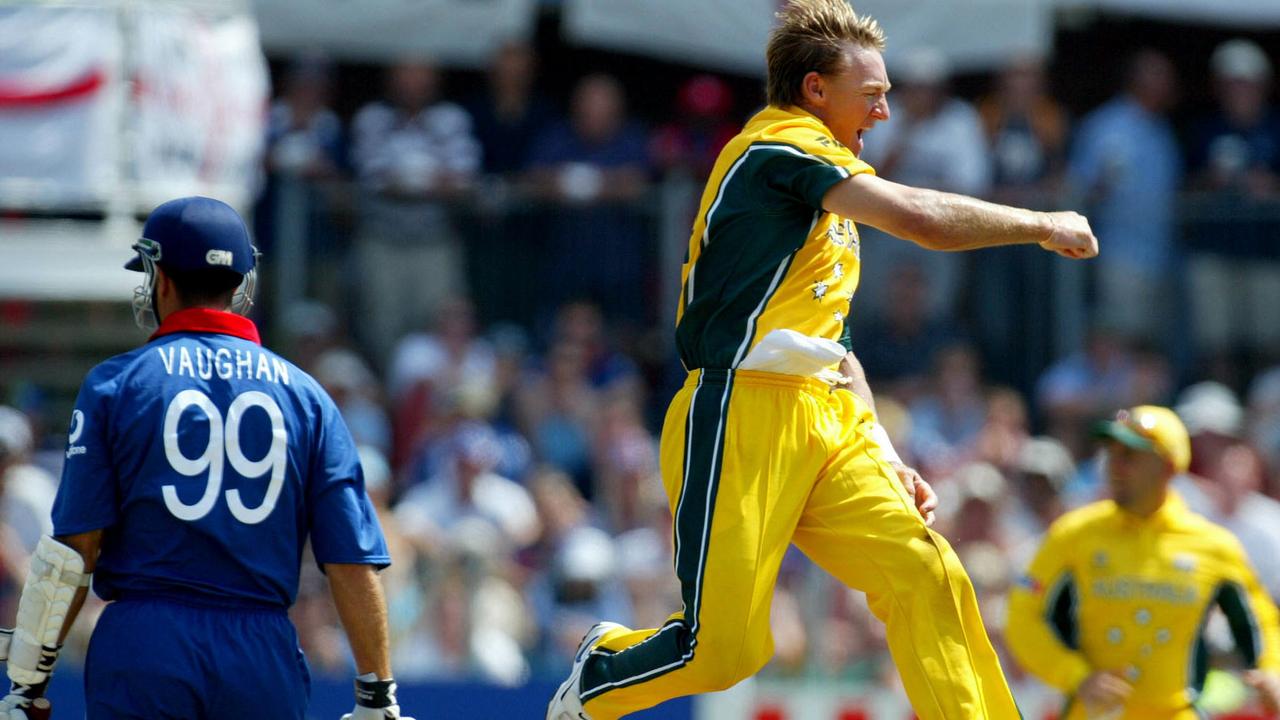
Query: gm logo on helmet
<point>218,257</point>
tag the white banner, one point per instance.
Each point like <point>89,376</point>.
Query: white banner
<point>455,32</point>
<point>85,124</point>
<point>57,112</point>
<point>974,35</point>
<point>199,105</point>
<point>730,34</point>
<point>726,35</point>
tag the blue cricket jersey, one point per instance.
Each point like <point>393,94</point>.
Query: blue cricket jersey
<point>209,460</point>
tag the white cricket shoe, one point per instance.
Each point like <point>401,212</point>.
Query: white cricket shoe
<point>565,704</point>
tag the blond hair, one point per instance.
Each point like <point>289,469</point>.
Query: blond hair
<point>811,36</point>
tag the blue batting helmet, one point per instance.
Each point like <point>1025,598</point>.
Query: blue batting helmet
<point>195,233</point>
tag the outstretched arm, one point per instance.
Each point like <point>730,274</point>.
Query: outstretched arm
<point>947,221</point>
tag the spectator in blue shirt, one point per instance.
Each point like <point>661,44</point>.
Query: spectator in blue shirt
<point>1126,166</point>
<point>593,167</point>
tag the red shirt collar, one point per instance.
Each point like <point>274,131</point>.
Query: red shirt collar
<point>204,320</point>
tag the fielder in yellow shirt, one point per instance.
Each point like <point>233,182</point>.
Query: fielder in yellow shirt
<point>773,440</point>
<point>1113,609</point>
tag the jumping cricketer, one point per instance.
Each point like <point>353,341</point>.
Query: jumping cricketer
<point>773,440</point>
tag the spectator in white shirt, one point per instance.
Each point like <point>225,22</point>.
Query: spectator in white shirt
<point>413,153</point>
<point>468,508</point>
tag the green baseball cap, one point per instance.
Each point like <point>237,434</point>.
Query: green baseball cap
<point>1151,429</point>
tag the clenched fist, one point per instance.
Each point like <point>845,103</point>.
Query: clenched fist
<point>1071,237</point>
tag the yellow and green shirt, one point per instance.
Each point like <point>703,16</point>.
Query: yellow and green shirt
<point>764,254</point>
<point>1111,591</point>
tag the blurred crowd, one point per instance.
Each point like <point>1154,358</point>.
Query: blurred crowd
<point>421,196</point>
<point>502,375</point>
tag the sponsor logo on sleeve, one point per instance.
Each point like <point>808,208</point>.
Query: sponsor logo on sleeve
<point>77,429</point>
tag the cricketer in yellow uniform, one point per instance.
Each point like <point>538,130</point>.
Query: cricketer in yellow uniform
<point>755,461</point>
<point>1112,590</point>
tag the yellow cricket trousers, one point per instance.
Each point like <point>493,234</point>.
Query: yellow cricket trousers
<point>1134,710</point>
<point>753,462</point>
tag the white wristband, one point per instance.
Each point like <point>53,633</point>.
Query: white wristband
<point>878,435</point>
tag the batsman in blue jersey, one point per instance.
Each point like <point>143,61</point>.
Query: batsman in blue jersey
<point>198,466</point>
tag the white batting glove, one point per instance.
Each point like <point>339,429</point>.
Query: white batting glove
<point>375,700</point>
<point>17,704</point>
<point>10,704</point>
<point>19,707</point>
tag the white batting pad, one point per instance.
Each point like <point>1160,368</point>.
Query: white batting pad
<point>57,572</point>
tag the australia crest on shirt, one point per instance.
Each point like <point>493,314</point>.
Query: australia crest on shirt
<point>844,234</point>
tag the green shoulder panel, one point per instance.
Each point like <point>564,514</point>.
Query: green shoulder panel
<point>760,216</point>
